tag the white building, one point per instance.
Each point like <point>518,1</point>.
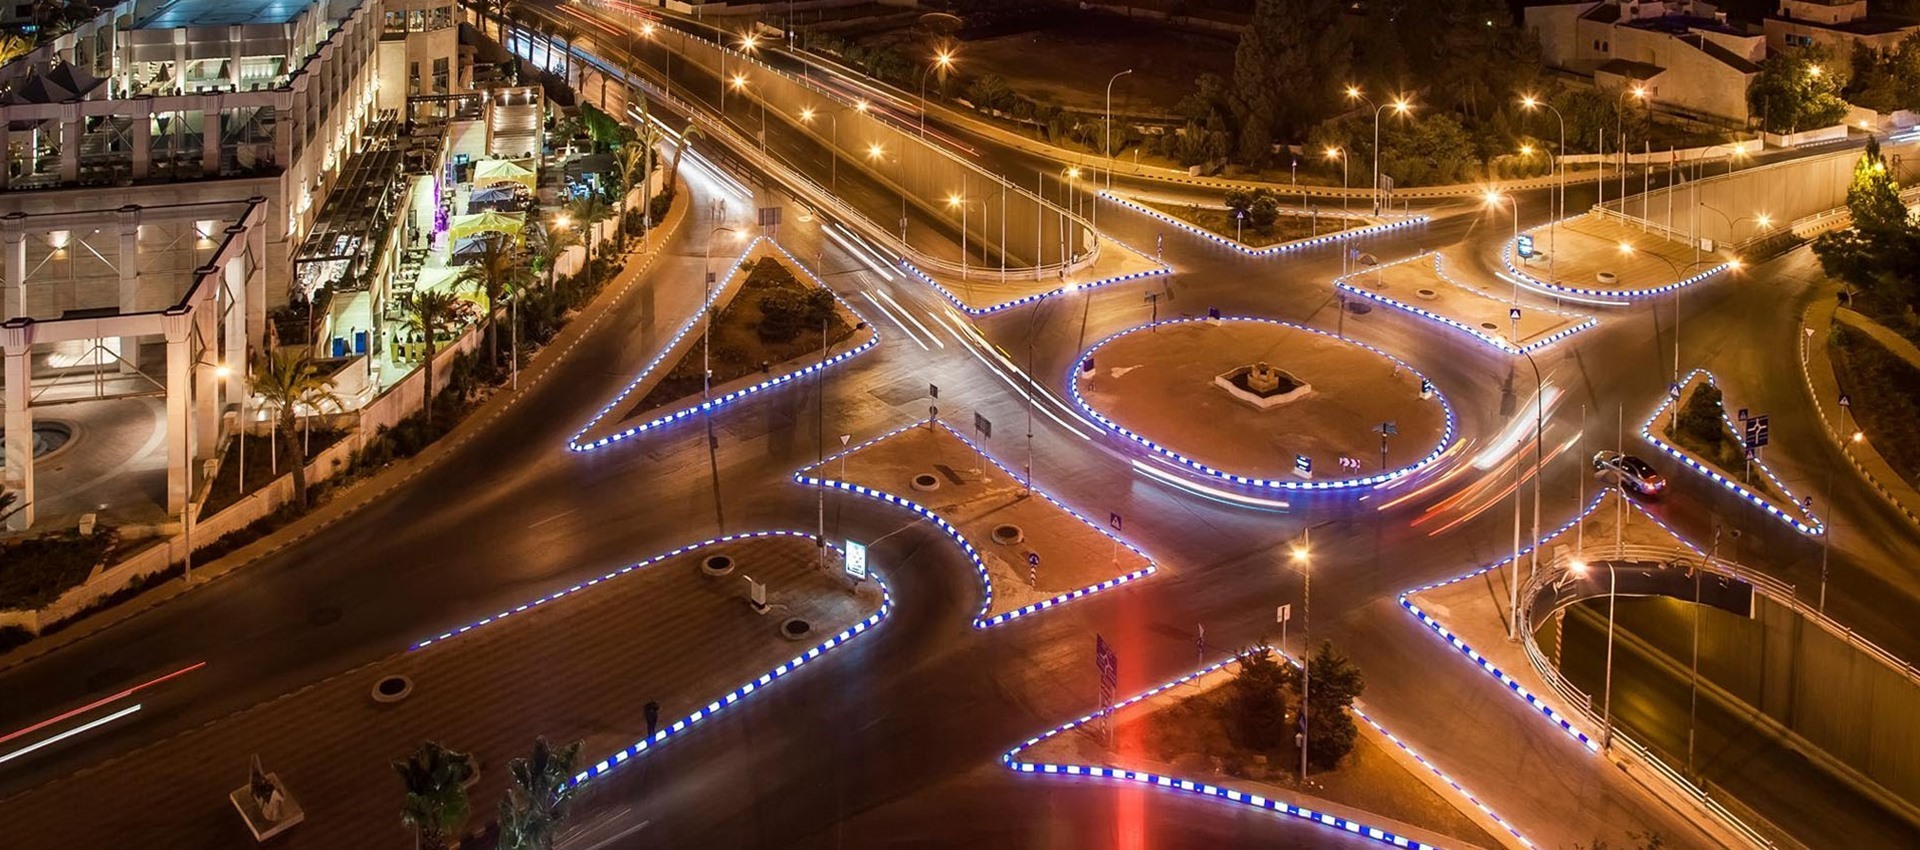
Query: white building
<point>164,164</point>
<point>1685,54</point>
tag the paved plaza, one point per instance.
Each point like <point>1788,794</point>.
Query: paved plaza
<point>1588,246</point>
<point>1158,383</point>
<point>977,496</point>
<point>1479,307</point>
<point>580,667</point>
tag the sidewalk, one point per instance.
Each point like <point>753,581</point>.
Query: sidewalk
<point>579,667</point>
<point>645,251</point>
<point>1116,262</point>
<point>1591,262</point>
<point>1816,368</point>
<point>1421,286</point>
<point>1052,555</point>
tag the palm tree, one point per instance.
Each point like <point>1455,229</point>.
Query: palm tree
<point>435,779</point>
<point>635,159</point>
<point>290,378</point>
<point>539,797</point>
<point>496,274</point>
<point>680,150</point>
<point>430,312</point>
<point>550,244</point>
<point>588,209</point>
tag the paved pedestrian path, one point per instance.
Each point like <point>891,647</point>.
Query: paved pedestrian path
<point>1588,248</point>
<point>1817,368</point>
<point>580,667</point>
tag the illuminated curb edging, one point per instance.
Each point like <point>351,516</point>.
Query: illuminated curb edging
<point>1506,259</point>
<point>1498,343</point>
<point>980,618</point>
<point>574,443</point>
<point>1812,527</point>
<point>914,270</point>
<point>1284,247</point>
<point>1010,759</point>
<point>606,765</point>
<point>1446,407</point>
<point>1552,715</point>
<point>1839,441</point>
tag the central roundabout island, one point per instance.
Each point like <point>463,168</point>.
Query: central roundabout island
<point>1265,403</point>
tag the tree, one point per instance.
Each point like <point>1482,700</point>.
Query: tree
<point>1287,43</point>
<point>1334,684</point>
<point>587,209</point>
<point>1257,703</point>
<point>635,159</point>
<point>496,274</point>
<point>537,800</point>
<point>550,243</point>
<point>1879,252</point>
<point>1641,841</point>
<point>680,150</point>
<point>1798,89</point>
<point>436,803</point>
<point>287,379</point>
<point>431,312</point>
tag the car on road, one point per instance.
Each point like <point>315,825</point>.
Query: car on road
<point>1630,472</point>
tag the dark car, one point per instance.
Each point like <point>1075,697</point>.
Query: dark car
<point>1630,472</point>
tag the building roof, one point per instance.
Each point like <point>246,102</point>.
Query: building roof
<point>1630,69</point>
<point>1678,24</point>
<point>213,13</point>
<point>1605,13</point>
<point>1727,57</point>
<point>1869,25</point>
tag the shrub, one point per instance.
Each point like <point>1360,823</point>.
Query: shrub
<point>1256,703</point>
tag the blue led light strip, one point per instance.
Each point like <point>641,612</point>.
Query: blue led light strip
<point>1498,343</point>
<point>1028,299</point>
<point>1506,258</point>
<point>1013,762</point>
<point>980,618</point>
<point>606,765</point>
<point>1284,247</point>
<point>1813,525</point>
<point>1446,437</point>
<point>574,444</point>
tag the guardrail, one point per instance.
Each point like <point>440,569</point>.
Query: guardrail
<point>722,130</point>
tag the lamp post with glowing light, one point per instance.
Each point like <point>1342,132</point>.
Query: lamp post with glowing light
<point>833,156</point>
<point>1303,556</point>
<point>1106,132</point>
<point>942,60</point>
<point>877,153</point>
<point>959,201</point>
<point>1530,103</point>
<point>1579,568</point>
<point>647,30</point>
<point>706,372</point>
<point>1340,153</point>
<point>1400,106</point>
<point>1678,273</point>
<point>1493,199</point>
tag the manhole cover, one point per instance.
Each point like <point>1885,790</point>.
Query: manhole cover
<point>324,616</point>
<point>1490,326</point>
<point>926,481</point>
<point>392,689</point>
<point>47,437</point>
<point>795,628</point>
<point>717,565</point>
<point>1008,534</point>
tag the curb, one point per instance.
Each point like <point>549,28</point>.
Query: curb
<point>1807,333</point>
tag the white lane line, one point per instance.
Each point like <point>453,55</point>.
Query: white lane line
<point>92,724</point>
<point>1214,493</point>
<point>896,320</point>
<point>909,314</point>
<point>1016,385</point>
<point>552,518</point>
<point>878,268</point>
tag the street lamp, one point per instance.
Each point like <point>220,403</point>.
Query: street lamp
<point>1303,557</point>
<point>1106,132</point>
<point>1340,153</point>
<point>942,60</point>
<point>647,30</point>
<point>1559,168</point>
<point>1493,199</point>
<point>1579,568</point>
<point>706,373</point>
<point>877,153</point>
<point>960,202</point>
<point>1678,273</point>
<point>1400,106</point>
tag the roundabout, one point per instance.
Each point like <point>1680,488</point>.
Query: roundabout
<point>1264,403</point>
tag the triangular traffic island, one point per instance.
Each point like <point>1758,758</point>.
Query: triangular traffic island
<point>1278,225</point>
<point>1704,438</point>
<point>1031,552</point>
<point>1423,286</point>
<point>1191,735</point>
<point>772,316</point>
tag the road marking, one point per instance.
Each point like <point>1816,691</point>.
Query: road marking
<point>552,518</point>
<point>897,322</point>
<point>1017,388</point>
<point>70,733</point>
<point>867,259</point>
<point>1203,490</point>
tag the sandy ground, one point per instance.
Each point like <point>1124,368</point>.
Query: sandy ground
<point>1589,245</point>
<point>1430,283</point>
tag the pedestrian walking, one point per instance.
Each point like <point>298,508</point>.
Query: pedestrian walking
<point>652,710</point>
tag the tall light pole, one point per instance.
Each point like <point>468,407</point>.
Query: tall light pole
<point>1606,700</point>
<point>1340,153</point>
<point>706,374</point>
<point>1303,555</point>
<point>833,156</point>
<point>1530,103</point>
<point>942,60</point>
<point>1493,199</point>
<point>1400,106</point>
<point>1678,273</point>
<point>877,153</point>
<point>1106,132</point>
<point>960,202</point>
<point>647,30</point>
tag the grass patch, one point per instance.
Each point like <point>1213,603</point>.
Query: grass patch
<point>773,318</point>
<point>1702,429</point>
<point>1885,394</point>
<point>1289,227</point>
<point>1194,731</point>
<point>260,466</point>
<point>36,570</point>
